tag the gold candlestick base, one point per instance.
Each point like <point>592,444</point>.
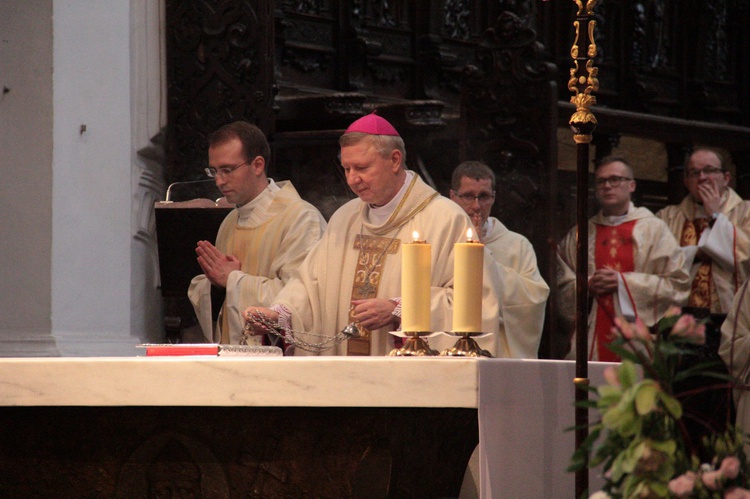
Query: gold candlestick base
<point>466,346</point>
<point>414,346</point>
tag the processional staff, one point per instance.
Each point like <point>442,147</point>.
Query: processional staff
<point>583,82</point>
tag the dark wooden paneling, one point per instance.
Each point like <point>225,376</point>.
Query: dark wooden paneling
<point>230,452</point>
<point>304,69</point>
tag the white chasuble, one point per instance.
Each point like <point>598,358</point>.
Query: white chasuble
<point>320,293</point>
<point>271,240</point>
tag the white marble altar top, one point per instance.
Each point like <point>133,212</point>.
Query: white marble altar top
<point>231,381</point>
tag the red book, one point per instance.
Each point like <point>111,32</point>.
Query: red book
<point>168,349</point>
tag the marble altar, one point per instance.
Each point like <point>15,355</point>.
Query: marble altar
<point>284,427</point>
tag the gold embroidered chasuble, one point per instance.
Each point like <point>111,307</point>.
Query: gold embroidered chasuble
<point>320,293</point>
<point>659,280</point>
<point>727,243</point>
<point>700,291</point>
<point>271,241</point>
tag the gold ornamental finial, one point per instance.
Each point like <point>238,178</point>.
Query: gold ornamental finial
<point>583,81</point>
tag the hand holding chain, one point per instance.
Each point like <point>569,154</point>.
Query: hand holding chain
<point>288,334</point>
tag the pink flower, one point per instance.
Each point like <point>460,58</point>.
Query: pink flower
<point>712,479</point>
<point>730,467</point>
<point>737,493</point>
<point>673,312</point>
<point>623,327</point>
<point>683,485</point>
<point>688,328</point>
<point>636,330</point>
<point>610,375</point>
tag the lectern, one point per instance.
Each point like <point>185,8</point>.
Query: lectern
<point>179,227</point>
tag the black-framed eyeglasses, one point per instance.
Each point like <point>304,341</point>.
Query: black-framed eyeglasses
<point>223,171</point>
<point>614,181</point>
<point>468,198</point>
<point>709,170</point>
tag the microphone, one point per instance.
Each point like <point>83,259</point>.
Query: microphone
<point>169,189</point>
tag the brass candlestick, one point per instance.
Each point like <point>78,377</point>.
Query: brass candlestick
<point>414,346</point>
<point>465,346</point>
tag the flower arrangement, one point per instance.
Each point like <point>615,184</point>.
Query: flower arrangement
<point>641,440</point>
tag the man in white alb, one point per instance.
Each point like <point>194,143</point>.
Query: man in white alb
<point>524,291</point>
<point>636,268</point>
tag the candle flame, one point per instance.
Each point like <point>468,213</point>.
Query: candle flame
<point>469,235</point>
<point>415,235</point>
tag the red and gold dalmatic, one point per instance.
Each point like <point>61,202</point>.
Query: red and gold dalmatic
<point>614,250</point>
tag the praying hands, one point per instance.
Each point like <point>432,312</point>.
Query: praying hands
<point>216,265</point>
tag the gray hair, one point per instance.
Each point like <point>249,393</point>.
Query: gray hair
<point>383,143</point>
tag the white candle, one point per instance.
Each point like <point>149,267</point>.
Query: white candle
<point>467,285</point>
<point>415,285</point>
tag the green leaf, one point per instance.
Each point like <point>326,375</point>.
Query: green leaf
<point>627,374</point>
<point>645,397</point>
<point>671,404</point>
<point>588,404</point>
<point>666,446</point>
<point>665,325</point>
<point>624,352</point>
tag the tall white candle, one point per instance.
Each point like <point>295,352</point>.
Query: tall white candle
<point>415,285</point>
<point>467,285</point>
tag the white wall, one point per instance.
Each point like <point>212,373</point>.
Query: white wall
<point>26,185</point>
<point>91,170</point>
<point>76,234</point>
<point>98,81</point>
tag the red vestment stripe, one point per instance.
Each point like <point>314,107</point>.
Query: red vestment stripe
<point>614,250</point>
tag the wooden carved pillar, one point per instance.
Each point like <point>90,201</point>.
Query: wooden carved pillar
<point>508,118</point>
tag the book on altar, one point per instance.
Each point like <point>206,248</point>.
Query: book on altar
<point>210,349</point>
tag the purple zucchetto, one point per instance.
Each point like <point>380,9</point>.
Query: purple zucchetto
<point>372,124</point>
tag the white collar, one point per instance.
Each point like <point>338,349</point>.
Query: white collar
<point>379,214</point>
<point>258,205</point>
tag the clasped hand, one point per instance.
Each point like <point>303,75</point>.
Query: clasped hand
<point>216,265</point>
<point>603,282</point>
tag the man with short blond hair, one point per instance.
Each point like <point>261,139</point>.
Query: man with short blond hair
<point>635,267</point>
<point>524,291</point>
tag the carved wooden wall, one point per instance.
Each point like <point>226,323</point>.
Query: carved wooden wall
<point>679,58</point>
<point>219,69</point>
<point>460,79</point>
